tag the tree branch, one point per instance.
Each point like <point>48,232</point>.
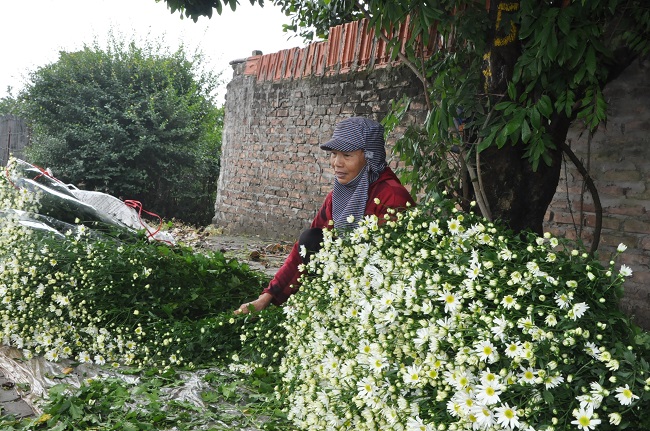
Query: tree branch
<point>594,193</point>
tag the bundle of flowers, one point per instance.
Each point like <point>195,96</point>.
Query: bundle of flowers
<point>91,297</point>
<point>441,320</point>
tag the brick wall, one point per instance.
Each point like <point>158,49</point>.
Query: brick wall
<point>618,160</point>
<point>281,106</point>
<point>274,176</point>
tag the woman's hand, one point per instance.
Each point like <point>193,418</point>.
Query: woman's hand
<point>259,304</point>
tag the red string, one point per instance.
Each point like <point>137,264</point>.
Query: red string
<point>44,172</point>
<point>138,206</point>
<point>130,203</point>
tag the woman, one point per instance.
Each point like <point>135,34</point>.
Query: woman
<point>363,185</point>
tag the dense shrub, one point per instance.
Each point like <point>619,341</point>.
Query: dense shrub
<point>136,122</point>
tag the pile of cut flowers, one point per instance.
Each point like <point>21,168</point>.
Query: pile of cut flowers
<point>438,319</point>
<point>148,319</point>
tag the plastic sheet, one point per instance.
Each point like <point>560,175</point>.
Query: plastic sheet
<point>69,205</point>
<point>39,375</point>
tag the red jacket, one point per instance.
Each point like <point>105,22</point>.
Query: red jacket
<point>391,194</point>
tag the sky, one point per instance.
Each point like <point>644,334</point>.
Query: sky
<point>33,32</point>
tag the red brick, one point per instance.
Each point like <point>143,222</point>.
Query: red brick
<point>636,225</point>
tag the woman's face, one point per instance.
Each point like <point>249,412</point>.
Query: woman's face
<point>347,165</point>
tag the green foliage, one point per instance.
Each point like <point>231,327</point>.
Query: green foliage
<point>135,122</point>
<point>98,298</point>
<point>9,105</point>
<point>312,20</point>
<point>196,8</point>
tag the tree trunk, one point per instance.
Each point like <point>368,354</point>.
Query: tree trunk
<point>517,195</point>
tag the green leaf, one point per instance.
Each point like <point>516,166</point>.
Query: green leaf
<point>590,60</point>
<point>564,22</point>
<point>545,106</point>
<point>512,127</point>
<point>512,91</point>
<point>501,138</point>
<point>501,106</point>
<point>548,397</point>
<point>535,118</point>
<point>525,132</point>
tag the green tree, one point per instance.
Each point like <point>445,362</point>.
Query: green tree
<point>9,104</point>
<point>515,74</point>
<point>136,122</point>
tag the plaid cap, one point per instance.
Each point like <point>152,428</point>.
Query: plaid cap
<point>355,133</point>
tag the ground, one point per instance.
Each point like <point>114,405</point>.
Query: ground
<point>262,254</point>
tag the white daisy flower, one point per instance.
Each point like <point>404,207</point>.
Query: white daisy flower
<point>585,419</point>
<point>625,396</point>
<point>488,393</point>
<point>487,352</point>
<point>625,271</point>
<point>506,416</point>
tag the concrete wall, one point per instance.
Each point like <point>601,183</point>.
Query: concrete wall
<point>281,106</point>
<point>14,137</point>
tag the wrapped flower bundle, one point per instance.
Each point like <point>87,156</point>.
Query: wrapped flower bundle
<point>438,319</point>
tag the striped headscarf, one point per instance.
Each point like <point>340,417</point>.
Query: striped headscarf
<point>353,134</point>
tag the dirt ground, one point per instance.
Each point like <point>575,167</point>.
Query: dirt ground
<point>262,254</point>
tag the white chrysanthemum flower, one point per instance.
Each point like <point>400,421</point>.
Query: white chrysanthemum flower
<point>625,396</point>
<point>621,248</point>
<point>378,363</point>
<point>625,271</point>
<point>550,320</point>
<point>499,326</point>
<point>592,350</point>
<point>52,355</point>
<point>367,387</point>
<point>563,300</point>
<point>612,365</point>
<point>488,393</point>
<point>552,381</point>
<point>487,352</point>
<point>527,375</point>
<point>417,424</point>
<point>585,419</point>
<point>451,301</point>
<point>615,418</point>
<point>587,400</point>
<point>516,277</point>
<point>454,226</point>
<point>514,349</point>
<point>578,310</point>
<point>484,417</point>
<point>473,271</point>
<point>413,376</point>
<point>505,254</point>
<point>509,301</point>
<point>434,228</point>
<point>454,408</point>
<point>506,416</point>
